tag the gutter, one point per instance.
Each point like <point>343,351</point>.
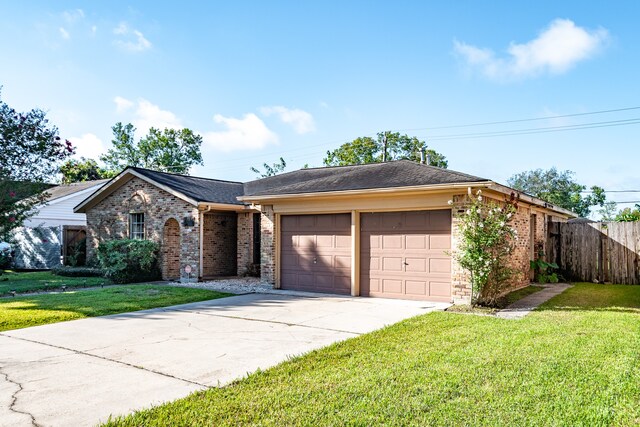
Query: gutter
<point>409,189</point>
<point>491,185</point>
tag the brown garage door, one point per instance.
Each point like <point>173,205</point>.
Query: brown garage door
<point>403,255</point>
<point>316,253</point>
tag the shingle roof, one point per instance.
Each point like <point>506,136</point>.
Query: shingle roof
<point>68,189</point>
<point>400,173</point>
<point>198,189</point>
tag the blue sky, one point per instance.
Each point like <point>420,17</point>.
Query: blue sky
<point>260,80</point>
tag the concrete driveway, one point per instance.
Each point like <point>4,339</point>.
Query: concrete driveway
<point>78,373</point>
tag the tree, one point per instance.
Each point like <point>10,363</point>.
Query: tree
<point>608,212</point>
<point>83,170</point>
<point>486,241</point>
<point>628,214</point>
<point>30,156</point>
<point>272,170</point>
<point>369,150</point>
<point>169,150</point>
<point>558,188</point>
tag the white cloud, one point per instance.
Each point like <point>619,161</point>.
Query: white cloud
<point>130,39</point>
<point>88,145</point>
<point>71,16</point>
<point>247,133</point>
<point>301,121</point>
<point>147,115</point>
<point>122,104</point>
<point>558,48</point>
<point>64,33</point>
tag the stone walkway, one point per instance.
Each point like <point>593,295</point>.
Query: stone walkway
<point>526,305</point>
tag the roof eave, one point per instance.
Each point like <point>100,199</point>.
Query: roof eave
<point>407,189</point>
<point>533,200</point>
<point>121,179</point>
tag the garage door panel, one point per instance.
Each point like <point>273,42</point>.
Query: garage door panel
<point>306,222</point>
<point>416,288</point>
<point>318,258</point>
<point>439,241</point>
<point>392,242</point>
<point>392,286</point>
<point>391,264</point>
<point>437,265</point>
<point>324,241</point>
<point>391,220</point>
<point>416,221</point>
<point>403,254</point>
<point>440,220</point>
<point>414,241</point>
<point>415,265</point>
<point>343,242</point>
<point>440,289</point>
<point>342,261</point>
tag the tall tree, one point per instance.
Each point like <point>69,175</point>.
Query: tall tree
<point>31,152</point>
<point>386,146</point>
<point>169,150</point>
<point>82,170</point>
<point>559,188</point>
<point>608,211</point>
<point>272,170</point>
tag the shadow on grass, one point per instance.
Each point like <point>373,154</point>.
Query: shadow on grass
<point>35,310</point>
<point>596,298</point>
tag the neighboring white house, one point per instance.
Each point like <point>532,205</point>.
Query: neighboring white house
<point>43,240</point>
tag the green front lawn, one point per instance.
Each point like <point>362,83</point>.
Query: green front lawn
<point>574,362</point>
<point>43,281</point>
<point>25,311</point>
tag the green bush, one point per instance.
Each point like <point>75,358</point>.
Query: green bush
<point>78,253</point>
<point>129,260</point>
<point>77,271</point>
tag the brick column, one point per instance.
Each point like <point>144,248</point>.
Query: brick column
<point>245,242</point>
<point>268,245</point>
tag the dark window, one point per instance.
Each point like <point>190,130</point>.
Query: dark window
<point>256,238</point>
<point>136,226</point>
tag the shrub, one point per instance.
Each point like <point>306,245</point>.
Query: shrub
<point>486,242</point>
<point>544,271</point>
<point>68,271</point>
<point>78,253</point>
<point>129,260</point>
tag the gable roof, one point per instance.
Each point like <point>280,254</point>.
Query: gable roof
<point>399,173</point>
<point>195,188</point>
<point>64,190</point>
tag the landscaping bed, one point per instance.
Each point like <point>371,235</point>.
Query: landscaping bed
<point>574,361</point>
<point>502,302</point>
<point>25,311</point>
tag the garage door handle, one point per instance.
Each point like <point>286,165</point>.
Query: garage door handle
<point>315,260</point>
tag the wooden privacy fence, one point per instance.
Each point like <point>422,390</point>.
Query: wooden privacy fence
<point>596,252</point>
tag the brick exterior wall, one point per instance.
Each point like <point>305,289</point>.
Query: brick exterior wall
<point>268,245</point>
<point>219,244</point>
<point>519,260</point>
<point>245,242</point>
<point>171,250</point>
<point>109,219</point>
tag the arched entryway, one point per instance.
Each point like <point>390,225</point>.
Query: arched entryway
<point>171,250</point>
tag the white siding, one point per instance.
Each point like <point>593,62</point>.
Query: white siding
<point>60,211</point>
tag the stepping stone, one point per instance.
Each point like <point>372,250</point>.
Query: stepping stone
<point>526,305</point>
